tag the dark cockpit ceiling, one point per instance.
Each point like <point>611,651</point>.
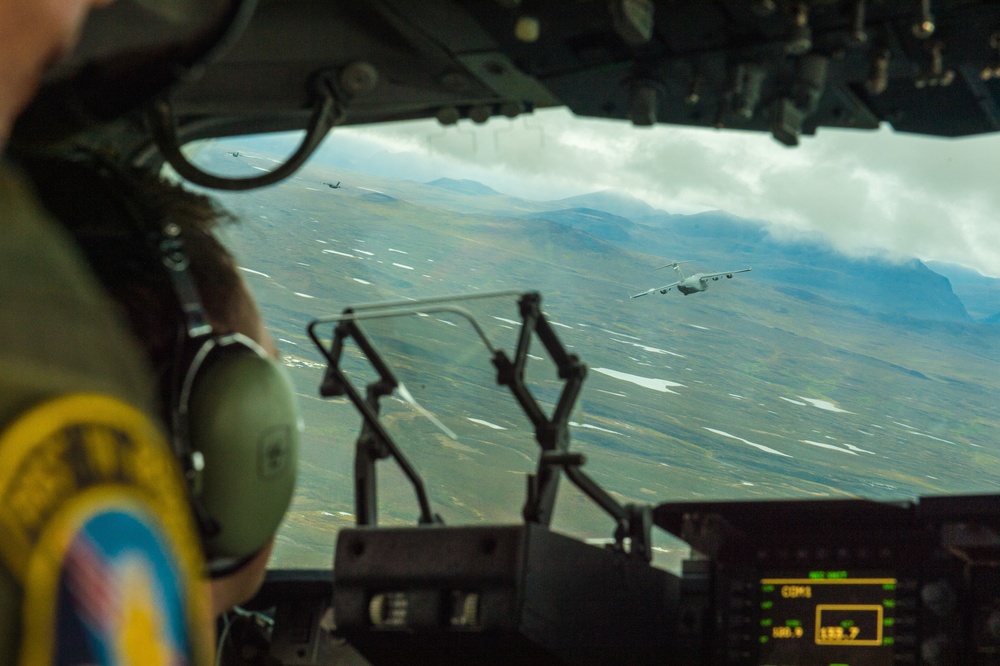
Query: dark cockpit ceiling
<point>779,66</point>
<point>786,67</point>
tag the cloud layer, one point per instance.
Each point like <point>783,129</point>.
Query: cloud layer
<point>868,192</point>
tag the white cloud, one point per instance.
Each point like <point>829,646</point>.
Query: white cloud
<point>866,191</point>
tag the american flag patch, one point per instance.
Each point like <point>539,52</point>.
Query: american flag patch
<point>96,527</point>
<point>120,599</point>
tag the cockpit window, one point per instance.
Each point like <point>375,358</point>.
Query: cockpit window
<point>857,357</point>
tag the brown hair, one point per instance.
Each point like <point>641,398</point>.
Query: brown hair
<point>117,219</point>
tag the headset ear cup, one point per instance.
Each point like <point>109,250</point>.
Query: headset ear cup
<point>243,418</point>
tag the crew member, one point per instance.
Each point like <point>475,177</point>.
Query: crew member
<point>99,554</point>
<point>118,219</point>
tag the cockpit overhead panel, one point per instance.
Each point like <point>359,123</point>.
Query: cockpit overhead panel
<point>787,67</point>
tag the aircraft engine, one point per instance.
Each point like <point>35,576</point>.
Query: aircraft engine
<point>663,291</point>
<point>729,276</point>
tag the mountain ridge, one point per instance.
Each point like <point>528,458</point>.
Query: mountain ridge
<point>463,186</point>
<point>719,240</point>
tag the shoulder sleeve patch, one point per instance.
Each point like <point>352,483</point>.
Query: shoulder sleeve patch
<point>95,523</point>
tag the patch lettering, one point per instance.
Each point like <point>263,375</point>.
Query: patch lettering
<point>94,522</point>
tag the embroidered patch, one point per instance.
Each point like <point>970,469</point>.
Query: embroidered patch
<point>95,523</point>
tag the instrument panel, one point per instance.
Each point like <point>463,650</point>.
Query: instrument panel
<point>840,583</point>
<point>832,583</point>
<point>828,616</point>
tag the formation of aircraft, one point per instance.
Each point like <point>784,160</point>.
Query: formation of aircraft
<point>689,284</point>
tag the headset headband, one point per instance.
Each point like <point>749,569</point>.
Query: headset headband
<point>177,263</point>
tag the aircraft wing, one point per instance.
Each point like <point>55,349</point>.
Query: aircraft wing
<point>709,276</point>
<point>650,291</point>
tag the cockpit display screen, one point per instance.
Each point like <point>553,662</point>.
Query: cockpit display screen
<point>828,618</point>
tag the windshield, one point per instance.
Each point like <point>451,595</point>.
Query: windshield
<point>756,321</point>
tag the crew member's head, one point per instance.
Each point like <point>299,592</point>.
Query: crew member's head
<point>79,68</point>
<point>226,400</point>
<point>34,35</point>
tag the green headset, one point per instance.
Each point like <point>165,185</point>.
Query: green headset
<point>234,426</point>
<point>230,408</point>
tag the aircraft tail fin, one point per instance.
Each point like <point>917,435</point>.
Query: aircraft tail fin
<point>674,265</point>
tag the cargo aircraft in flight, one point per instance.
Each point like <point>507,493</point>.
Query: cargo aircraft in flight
<point>690,284</point>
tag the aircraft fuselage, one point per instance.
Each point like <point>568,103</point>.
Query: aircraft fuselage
<point>693,284</point>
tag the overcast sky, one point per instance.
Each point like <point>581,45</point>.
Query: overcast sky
<point>866,191</point>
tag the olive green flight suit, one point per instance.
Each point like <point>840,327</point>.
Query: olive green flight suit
<point>59,335</point>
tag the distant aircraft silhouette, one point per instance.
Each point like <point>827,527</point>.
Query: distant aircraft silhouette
<point>235,154</point>
<point>690,284</point>
<point>331,185</point>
